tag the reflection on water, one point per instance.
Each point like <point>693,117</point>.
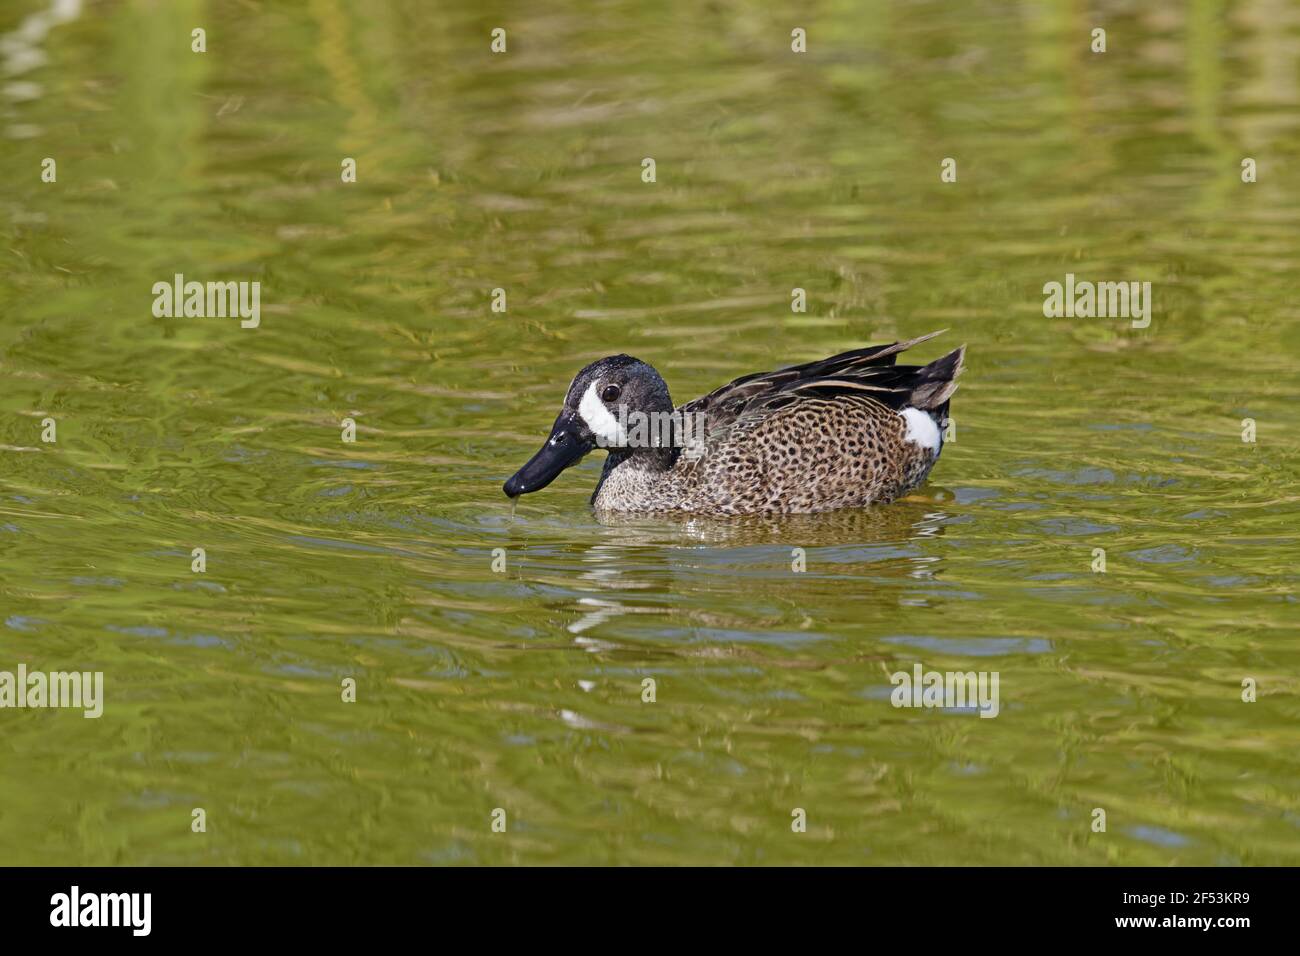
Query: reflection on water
<point>501,652</point>
<point>866,526</point>
<point>21,51</point>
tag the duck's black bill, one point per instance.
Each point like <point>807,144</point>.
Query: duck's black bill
<point>566,446</point>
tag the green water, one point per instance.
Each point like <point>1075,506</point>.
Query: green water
<point>521,689</point>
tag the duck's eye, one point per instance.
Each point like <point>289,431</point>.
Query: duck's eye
<point>610,393</point>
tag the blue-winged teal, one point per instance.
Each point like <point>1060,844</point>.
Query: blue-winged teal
<point>842,432</point>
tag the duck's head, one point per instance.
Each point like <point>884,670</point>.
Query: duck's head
<point>596,409</point>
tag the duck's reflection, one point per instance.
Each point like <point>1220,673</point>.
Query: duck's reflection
<point>657,555</point>
<point>897,523</point>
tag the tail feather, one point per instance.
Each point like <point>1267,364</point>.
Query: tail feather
<point>938,380</point>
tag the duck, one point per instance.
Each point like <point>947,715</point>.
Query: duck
<point>847,431</point>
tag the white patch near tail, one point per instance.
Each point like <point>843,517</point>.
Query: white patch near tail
<point>921,429</point>
<point>604,425</point>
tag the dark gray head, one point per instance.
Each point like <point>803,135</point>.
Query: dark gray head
<point>596,407</point>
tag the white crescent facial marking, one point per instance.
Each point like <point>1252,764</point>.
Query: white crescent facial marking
<point>921,429</point>
<point>602,424</point>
